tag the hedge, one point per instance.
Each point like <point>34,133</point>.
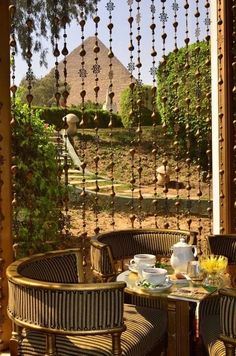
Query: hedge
<point>54,115</point>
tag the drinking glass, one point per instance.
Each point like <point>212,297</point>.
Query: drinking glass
<point>194,272</point>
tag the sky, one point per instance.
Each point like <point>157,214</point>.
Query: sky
<point>120,33</point>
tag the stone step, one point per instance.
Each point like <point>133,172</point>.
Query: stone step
<point>92,187</point>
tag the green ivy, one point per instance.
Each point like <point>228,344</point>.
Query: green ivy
<point>36,214</point>
<point>172,71</point>
<point>131,113</point>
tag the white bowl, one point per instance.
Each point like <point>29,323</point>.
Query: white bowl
<point>154,275</point>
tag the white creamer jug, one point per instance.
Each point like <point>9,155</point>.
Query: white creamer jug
<point>181,255</point>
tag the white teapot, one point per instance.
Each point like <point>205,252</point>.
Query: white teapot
<point>181,255</point>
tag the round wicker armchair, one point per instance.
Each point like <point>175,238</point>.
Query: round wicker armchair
<point>55,313</point>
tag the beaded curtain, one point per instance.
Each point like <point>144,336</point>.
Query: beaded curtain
<point>152,169</point>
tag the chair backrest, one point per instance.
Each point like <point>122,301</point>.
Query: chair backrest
<point>108,248</point>
<point>57,266</point>
<point>61,307</point>
<point>223,245</point>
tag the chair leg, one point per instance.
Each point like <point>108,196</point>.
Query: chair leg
<point>50,345</point>
<point>116,345</point>
<point>15,339</point>
<point>230,349</point>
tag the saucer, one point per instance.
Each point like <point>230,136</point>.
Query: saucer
<point>133,268</point>
<point>152,287</point>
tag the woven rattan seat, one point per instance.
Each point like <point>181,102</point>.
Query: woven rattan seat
<point>134,341</point>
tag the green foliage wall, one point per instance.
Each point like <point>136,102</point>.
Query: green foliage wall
<point>36,214</point>
<point>130,111</point>
<point>193,84</point>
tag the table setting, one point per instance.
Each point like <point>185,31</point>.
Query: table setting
<point>184,268</point>
<point>182,281</point>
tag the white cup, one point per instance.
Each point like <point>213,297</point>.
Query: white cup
<point>143,260</point>
<point>154,275</point>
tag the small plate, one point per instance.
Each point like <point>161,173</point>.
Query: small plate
<point>154,288</point>
<point>174,280</point>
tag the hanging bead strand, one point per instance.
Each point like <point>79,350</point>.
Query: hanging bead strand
<point>164,98</point>
<point>221,113</point>
<point>198,114</point>
<point>29,98</point>
<point>83,75</point>
<point>153,72</point>
<point>59,140</point>
<point>110,7</point>
<point>131,68</point>
<point>188,113</point>
<point>29,74</point>
<point>13,88</point>
<point>139,106</point>
<point>96,70</point>
<point>65,94</point>
<point>175,8</point>
<point>208,121</point>
<point>65,52</point>
<point>56,53</point>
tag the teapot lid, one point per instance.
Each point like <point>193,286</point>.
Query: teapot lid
<point>181,243</point>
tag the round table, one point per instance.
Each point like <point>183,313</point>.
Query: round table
<point>181,314</point>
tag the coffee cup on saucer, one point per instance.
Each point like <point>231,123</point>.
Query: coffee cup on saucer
<point>142,260</point>
<point>154,275</point>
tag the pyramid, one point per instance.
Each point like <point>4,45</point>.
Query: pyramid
<point>120,81</point>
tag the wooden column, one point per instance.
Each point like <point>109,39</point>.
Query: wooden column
<point>227,112</point>
<point>6,252</point>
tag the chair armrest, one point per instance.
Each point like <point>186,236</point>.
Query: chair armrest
<point>102,262</point>
<point>228,318</point>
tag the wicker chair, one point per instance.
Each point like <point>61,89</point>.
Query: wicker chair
<point>223,245</point>
<point>109,250</point>
<point>56,313</point>
<point>209,309</point>
<point>219,330</point>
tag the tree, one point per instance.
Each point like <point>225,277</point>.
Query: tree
<point>43,90</point>
<point>49,16</point>
<point>187,91</point>
<point>130,111</point>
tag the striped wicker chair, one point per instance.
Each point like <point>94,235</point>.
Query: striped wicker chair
<point>109,250</point>
<point>56,313</point>
<point>209,309</point>
<point>219,330</point>
<point>223,245</point>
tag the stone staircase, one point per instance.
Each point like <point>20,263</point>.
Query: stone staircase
<point>75,175</point>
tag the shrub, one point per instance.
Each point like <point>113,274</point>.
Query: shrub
<point>36,214</point>
<point>54,115</point>
<point>131,113</point>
